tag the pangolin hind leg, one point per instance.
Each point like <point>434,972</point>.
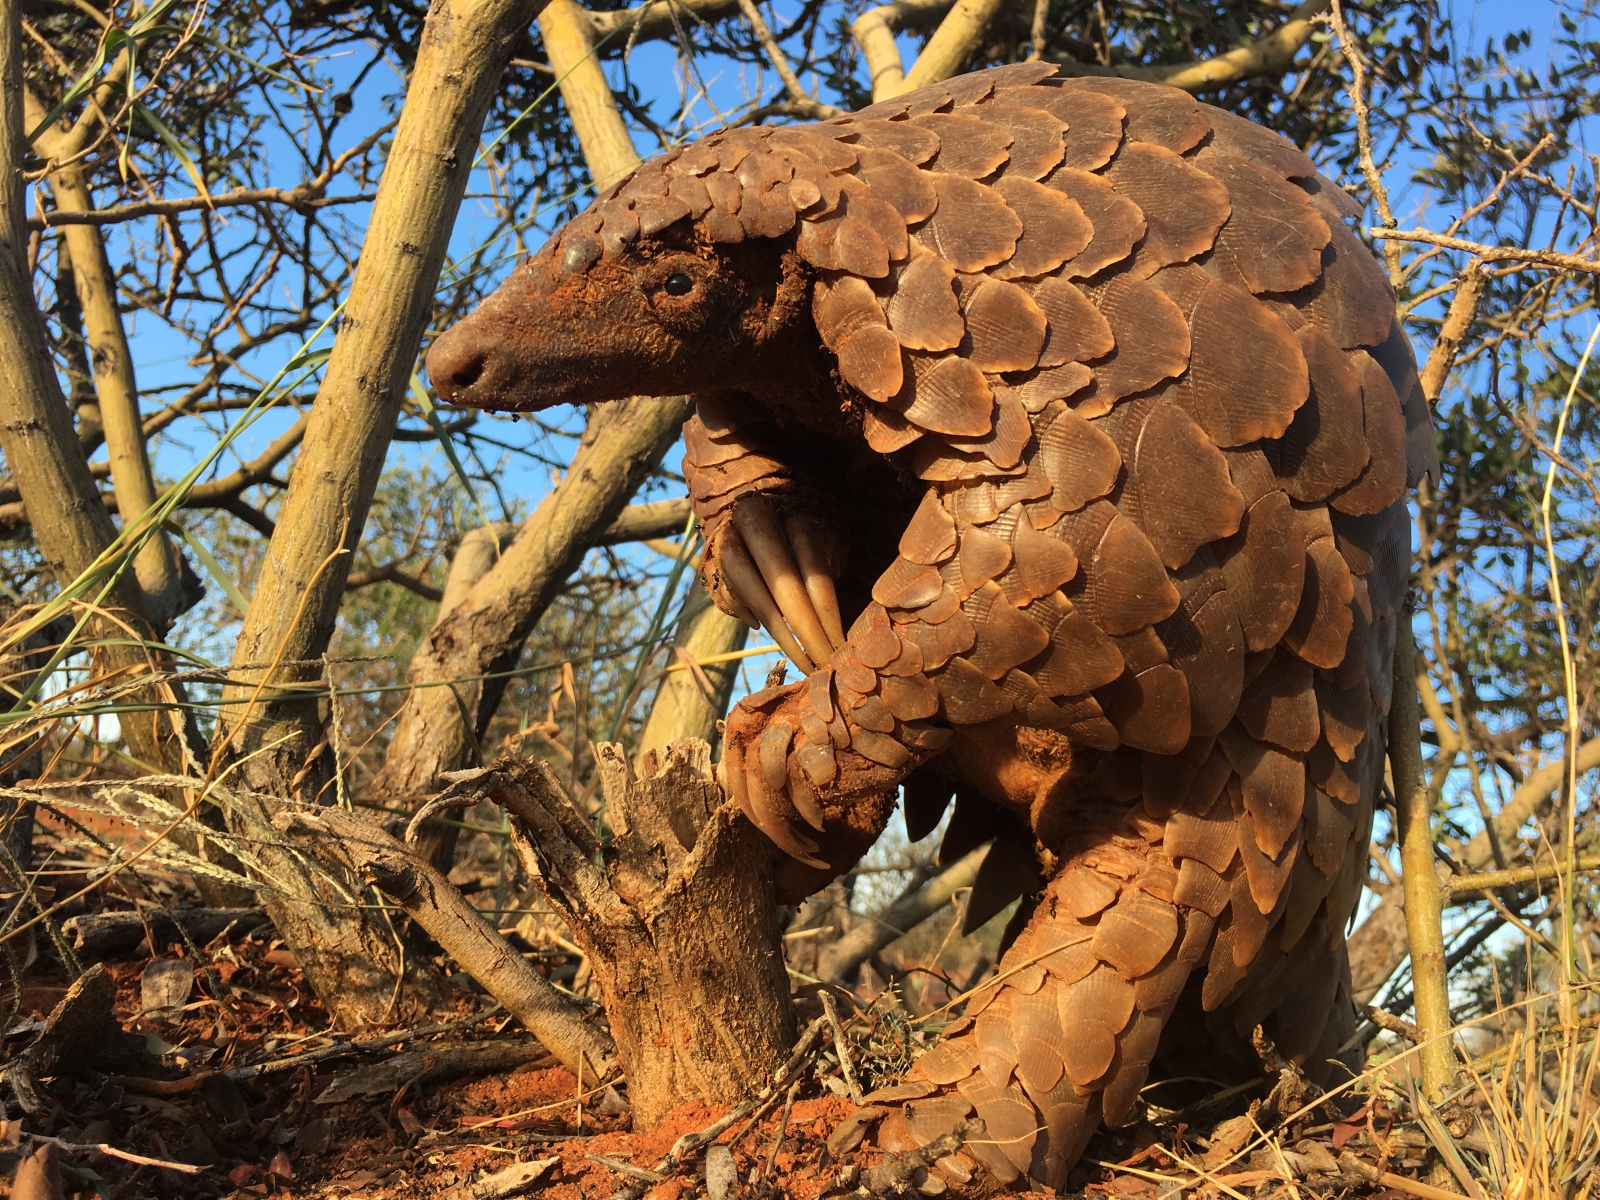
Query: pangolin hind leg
<point>1153,909</point>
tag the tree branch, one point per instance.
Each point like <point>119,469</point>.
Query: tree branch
<point>841,959</point>
<point>874,32</point>
<point>1424,908</point>
<point>654,21</point>
<point>391,573</point>
<point>1271,55</point>
<point>1463,310</point>
<point>607,145</point>
<point>952,45</point>
<point>364,846</point>
<point>1527,254</point>
<point>302,199</point>
<point>780,62</point>
<point>641,522</point>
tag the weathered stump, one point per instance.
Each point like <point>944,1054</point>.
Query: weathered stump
<point>679,921</point>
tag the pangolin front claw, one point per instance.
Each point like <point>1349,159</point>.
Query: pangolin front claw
<point>777,573</point>
<point>756,770</point>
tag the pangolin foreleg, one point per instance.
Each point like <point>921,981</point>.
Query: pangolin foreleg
<point>816,764</point>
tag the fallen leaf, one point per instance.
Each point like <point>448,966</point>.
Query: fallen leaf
<point>165,986</point>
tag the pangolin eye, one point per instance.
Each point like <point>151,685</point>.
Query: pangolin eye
<point>679,284</point>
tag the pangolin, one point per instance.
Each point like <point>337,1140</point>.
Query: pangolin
<point>1060,432</point>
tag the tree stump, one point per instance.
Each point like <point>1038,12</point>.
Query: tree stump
<point>679,922</point>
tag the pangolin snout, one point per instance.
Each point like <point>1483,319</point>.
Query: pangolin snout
<point>456,361</point>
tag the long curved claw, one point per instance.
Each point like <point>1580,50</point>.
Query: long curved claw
<point>818,579</point>
<point>803,795</point>
<point>775,823</point>
<point>732,777</point>
<point>745,580</point>
<point>764,537</point>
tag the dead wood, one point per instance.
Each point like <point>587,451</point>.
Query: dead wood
<point>433,1064</point>
<point>367,850</point>
<point>679,923</point>
<point>515,1180</point>
<point>98,937</point>
<point>81,1031</point>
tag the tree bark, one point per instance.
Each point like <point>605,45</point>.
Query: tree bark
<point>117,390</point>
<point>483,632</point>
<point>273,727</point>
<point>684,706</point>
<point>483,624</point>
<point>72,529</point>
<point>679,925</point>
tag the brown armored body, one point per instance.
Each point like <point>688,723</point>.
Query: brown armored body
<point>1059,431</point>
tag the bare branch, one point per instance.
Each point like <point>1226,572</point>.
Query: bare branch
<point>1272,55</point>
<point>607,145</point>
<point>302,199</point>
<point>1527,254</point>
<point>654,21</point>
<point>391,573</point>
<point>1463,310</point>
<point>780,62</point>
<point>641,522</point>
<point>952,45</point>
<point>874,32</point>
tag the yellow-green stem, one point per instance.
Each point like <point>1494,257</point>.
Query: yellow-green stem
<point>1424,902</point>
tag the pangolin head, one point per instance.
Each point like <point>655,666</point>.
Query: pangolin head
<point>674,280</point>
<point>594,317</point>
<point>686,274</point>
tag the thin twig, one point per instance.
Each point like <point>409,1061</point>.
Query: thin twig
<point>783,1128</point>
<point>301,199</point>
<point>1493,880</point>
<point>841,1045</point>
<point>1527,254</point>
<point>113,1152</point>
<point>1369,168</point>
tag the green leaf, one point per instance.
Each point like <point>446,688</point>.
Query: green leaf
<point>425,402</point>
<point>213,567</point>
<point>113,40</point>
<point>88,1176</point>
<point>147,26</point>
<point>308,358</point>
<point>172,143</point>
<point>148,18</point>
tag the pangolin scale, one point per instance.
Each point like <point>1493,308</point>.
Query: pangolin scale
<point>1060,431</point>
